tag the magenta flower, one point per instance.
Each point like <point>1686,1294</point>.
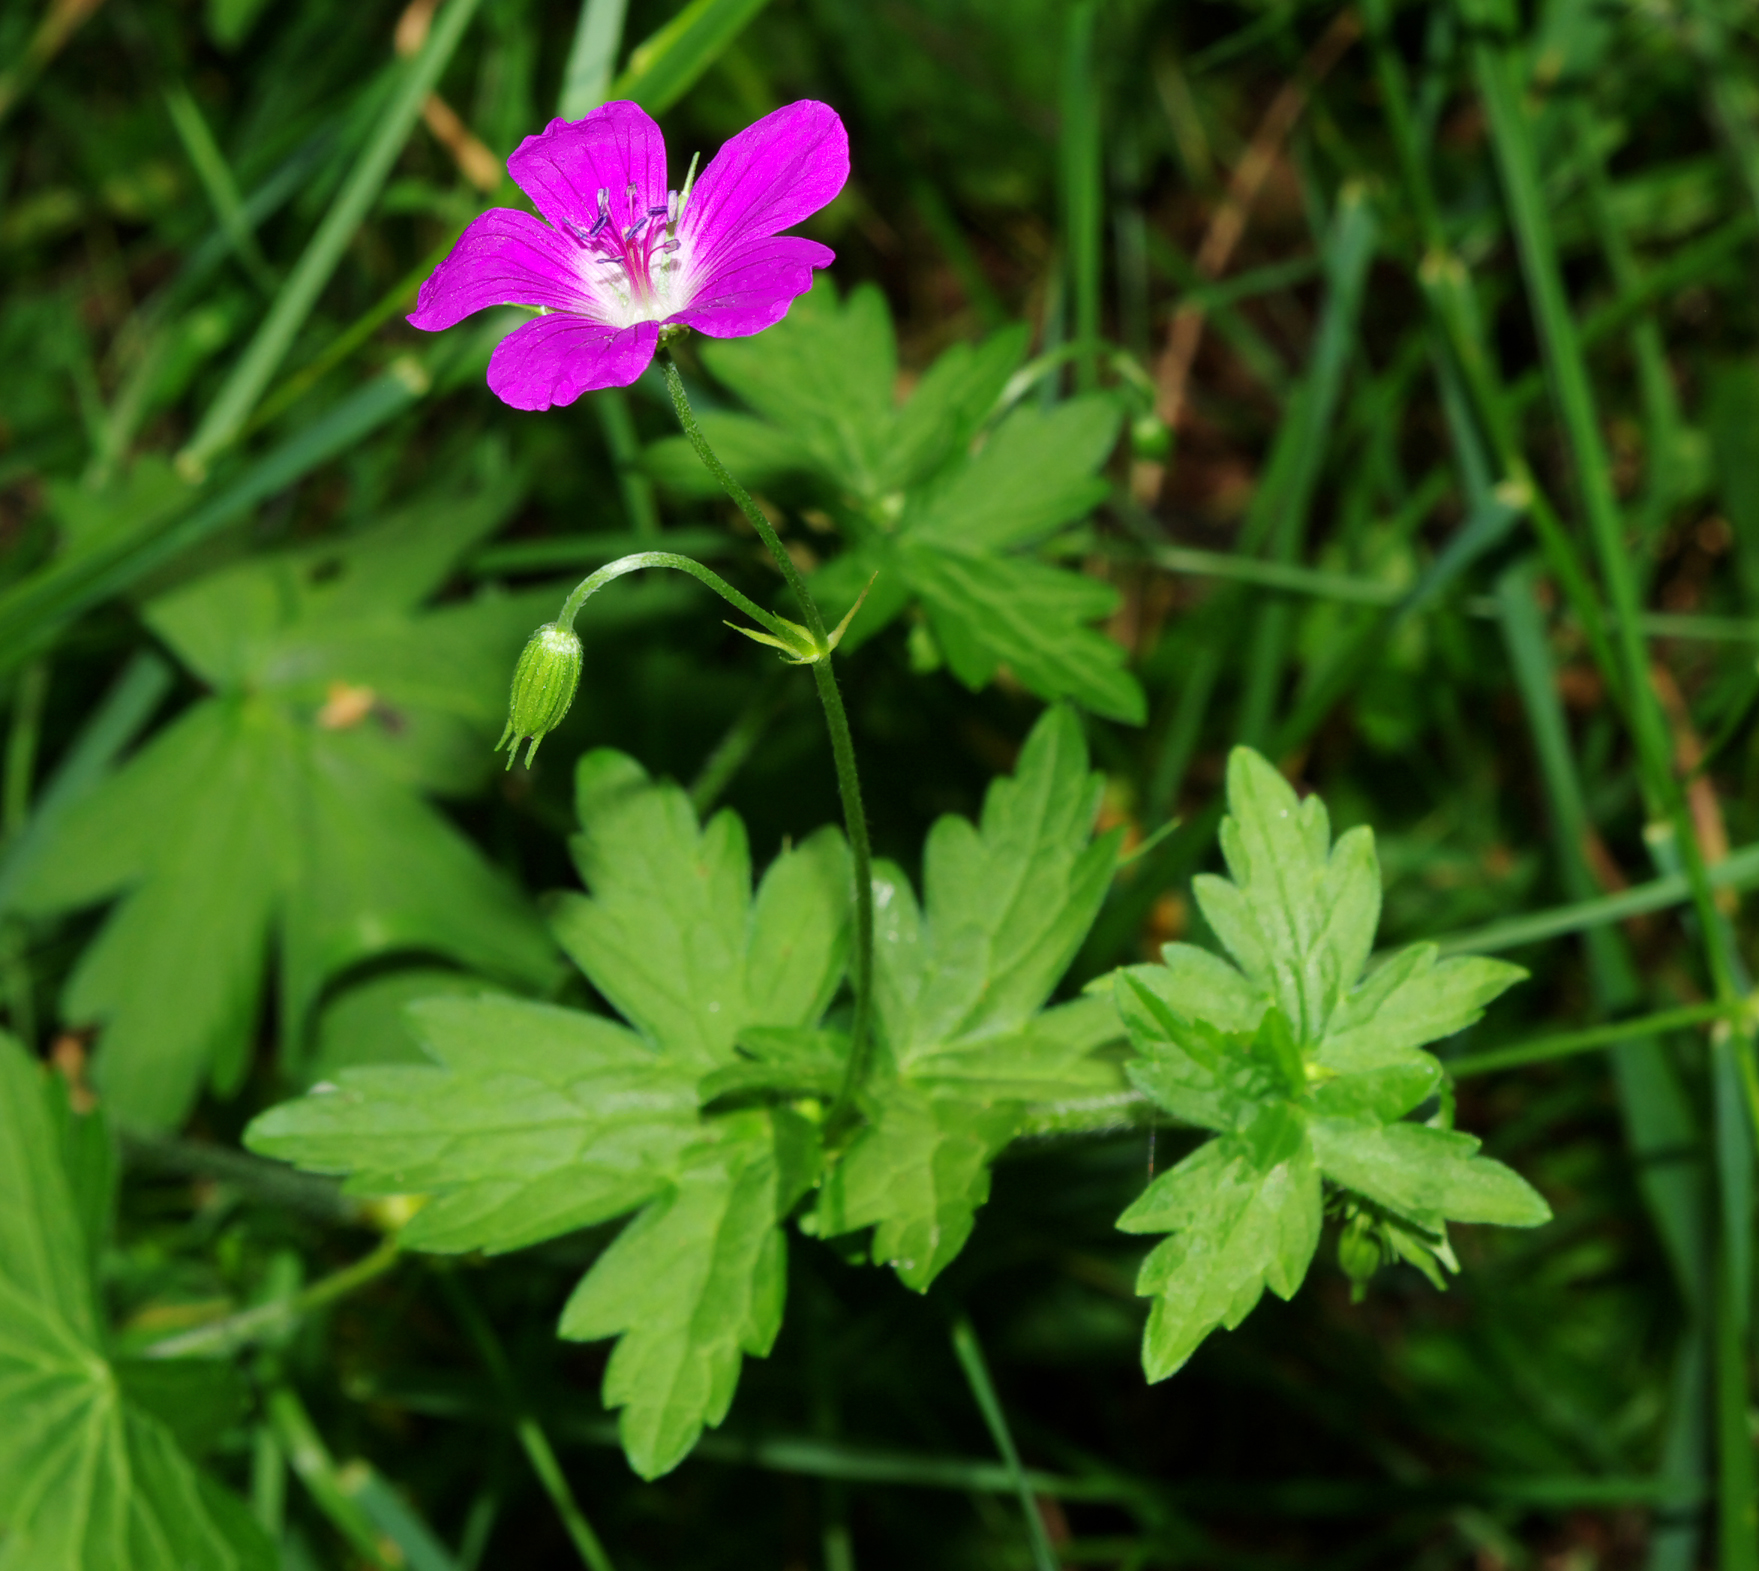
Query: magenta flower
<point>622,256</point>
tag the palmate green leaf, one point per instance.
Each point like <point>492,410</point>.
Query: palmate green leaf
<point>1303,1068</point>
<point>531,1120</point>
<point>1429,1176</point>
<point>89,1481</point>
<point>671,934</point>
<point>695,1283</point>
<point>1299,914</point>
<point>960,985</point>
<point>990,611</point>
<point>945,522</point>
<point>284,806</point>
<point>1244,1212</point>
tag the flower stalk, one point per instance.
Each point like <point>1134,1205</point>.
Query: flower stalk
<point>842,745</point>
<point>809,645</point>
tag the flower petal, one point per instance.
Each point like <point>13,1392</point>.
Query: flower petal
<point>557,358</point>
<point>753,286</point>
<point>565,166</point>
<point>769,176</point>
<point>504,257</point>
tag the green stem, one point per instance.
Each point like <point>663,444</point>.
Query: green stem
<point>223,1336</point>
<point>310,1459</point>
<point>754,515</point>
<point>1544,1049</point>
<point>590,586</point>
<point>842,747</point>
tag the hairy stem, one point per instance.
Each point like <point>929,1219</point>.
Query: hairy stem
<point>741,498</point>
<point>590,586</point>
<point>842,747</point>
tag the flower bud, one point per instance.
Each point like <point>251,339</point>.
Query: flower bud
<point>1149,437</point>
<point>543,687</point>
<point>1359,1253</point>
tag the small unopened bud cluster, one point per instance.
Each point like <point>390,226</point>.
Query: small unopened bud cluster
<point>543,688</point>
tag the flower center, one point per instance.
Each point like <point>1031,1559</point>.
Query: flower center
<point>631,268</point>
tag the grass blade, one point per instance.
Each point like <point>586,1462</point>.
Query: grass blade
<point>33,610</point>
<point>211,169</point>
<point>970,1353</point>
<point>1083,182</point>
<point>665,65</point>
<point>1545,1049</point>
<point>532,1438</point>
<point>250,376</point>
<point>310,1459</point>
<point>1657,1113</point>
<point>1350,248</point>
<point>592,59</point>
<point>1739,870</point>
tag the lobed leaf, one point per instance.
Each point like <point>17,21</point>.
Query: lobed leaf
<point>671,934</point>
<point>1303,1069</point>
<point>690,1287</point>
<point>1244,1215</point>
<point>279,812</point>
<point>944,520</point>
<point>959,988</point>
<point>89,1481</point>
<point>1299,915</point>
<point>917,1176</point>
<point>1036,471</point>
<point>532,1120</point>
<point>1426,1175</point>
<point>990,611</point>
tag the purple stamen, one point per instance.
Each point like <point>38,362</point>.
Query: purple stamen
<point>794,163</point>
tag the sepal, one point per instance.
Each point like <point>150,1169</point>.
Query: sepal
<point>544,684</point>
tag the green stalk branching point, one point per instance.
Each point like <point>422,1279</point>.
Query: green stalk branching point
<point>548,672</point>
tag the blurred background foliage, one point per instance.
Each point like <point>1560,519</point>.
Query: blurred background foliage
<point>266,555</point>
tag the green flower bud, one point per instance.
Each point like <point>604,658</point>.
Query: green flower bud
<point>1149,437</point>
<point>543,687</point>
<point>1359,1253</point>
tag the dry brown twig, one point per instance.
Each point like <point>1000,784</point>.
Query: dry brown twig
<point>1701,798</point>
<point>1172,372</point>
<point>475,162</point>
